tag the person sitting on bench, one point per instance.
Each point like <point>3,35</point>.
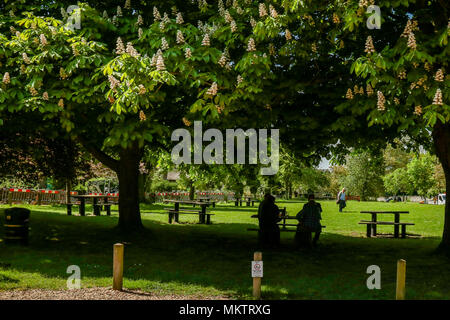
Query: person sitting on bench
<point>309,221</point>
<point>268,216</point>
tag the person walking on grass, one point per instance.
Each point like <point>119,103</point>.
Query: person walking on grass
<point>268,216</point>
<point>309,221</point>
<point>341,200</point>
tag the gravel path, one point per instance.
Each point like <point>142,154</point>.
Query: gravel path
<point>98,293</point>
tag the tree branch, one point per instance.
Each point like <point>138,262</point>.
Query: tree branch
<point>108,161</point>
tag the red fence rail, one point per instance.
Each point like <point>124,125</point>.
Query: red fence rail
<point>42,197</point>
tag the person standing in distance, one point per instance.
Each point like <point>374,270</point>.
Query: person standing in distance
<point>341,200</point>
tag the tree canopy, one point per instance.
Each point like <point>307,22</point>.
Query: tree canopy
<point>131,75</point>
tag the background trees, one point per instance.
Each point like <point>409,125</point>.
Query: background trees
<point>398,182</point>
<point>122,82</point>
<point>405,65</point>
<point>420,171</point>
<point>33,152</point>
<point>365,172</point>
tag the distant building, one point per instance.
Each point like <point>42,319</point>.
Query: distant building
<point>172,176</point>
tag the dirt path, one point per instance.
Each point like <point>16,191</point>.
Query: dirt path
<point>98,293</point>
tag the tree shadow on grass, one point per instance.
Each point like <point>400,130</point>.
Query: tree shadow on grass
<point>6,279</point>
<point>192,256</point>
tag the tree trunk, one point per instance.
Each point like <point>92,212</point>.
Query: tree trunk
<point>68,189</point>
<point>287,190</point>
<point>141,188</point>
<point>441,139</point>
<point>127,170</point>
<point>128,174</point>
<point>191,190</point>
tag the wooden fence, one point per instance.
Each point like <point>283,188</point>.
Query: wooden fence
<point>38,197</point>
<point>46,197</point>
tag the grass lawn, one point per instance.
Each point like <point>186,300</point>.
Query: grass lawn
<point>214,260</point>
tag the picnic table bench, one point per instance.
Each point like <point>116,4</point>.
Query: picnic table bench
<point>203,215</point>
<point>372,224</point>
<point>206,199</point>
<point>302,238</point>
<point>191,202</point>
<point>97,207</point>
<point>248,201</point>
<point>282,224</point>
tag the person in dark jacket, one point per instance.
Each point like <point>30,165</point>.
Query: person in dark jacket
<point>309,221</point>
<point>269,216</point>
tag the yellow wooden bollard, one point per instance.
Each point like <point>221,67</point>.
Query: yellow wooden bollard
<point>257,270</point>
<point>118,266</point>
<point>401,279</point>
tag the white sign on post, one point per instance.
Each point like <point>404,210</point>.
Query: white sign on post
<point>257,269</point>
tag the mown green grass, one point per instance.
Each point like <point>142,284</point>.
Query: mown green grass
<point>214,260</point>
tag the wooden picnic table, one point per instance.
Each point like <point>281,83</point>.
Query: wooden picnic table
<point>375,222</point>
<point>191,202</point>
<point>283,224</point>
<point>284,216</point>
<point>96,207</point>
<point>202,214</point>
<point>206,199</point>
<point>250,200</point>
<point>247,200</point>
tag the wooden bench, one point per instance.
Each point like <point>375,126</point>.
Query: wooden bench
<point>174,215</point>
<point>70,205</point>
<point>282,223</point>
<point>238,202</point>
<point>69,208</point>
<point>369,225</point>
<point>300,239</point>
<point>282,229</point>
<point>208,203</point>
<point>97,208</point>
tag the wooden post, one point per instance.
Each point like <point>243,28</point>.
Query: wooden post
<point>10,197</point>
<point>401,277</point>
<point>257,256</point>
<point>396,226</point>
<point>118,266</point>
<point>374,226</point>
